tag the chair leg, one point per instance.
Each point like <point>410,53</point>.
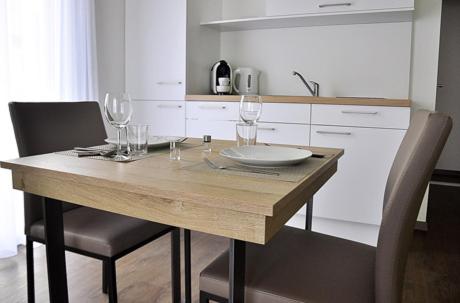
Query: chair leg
<point>112,281</point>
<point>175,266</point>
<point>105,267</point>
<point>203,297</point>
<point>30,271</point>
<point>188,266</point>
<point>206,297</point>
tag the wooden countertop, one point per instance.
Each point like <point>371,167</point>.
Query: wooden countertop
<point>307,100</point>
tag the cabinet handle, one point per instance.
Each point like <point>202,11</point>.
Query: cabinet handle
<point>359,112</point>
<point>212,107</point>
<point>335,4</point>
<point>267,128</point>
<point>169,106</point>
<point>323,132</point>
<point>169,83</point>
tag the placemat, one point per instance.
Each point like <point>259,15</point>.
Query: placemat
<point>151,152</point>
<point>293,173</point>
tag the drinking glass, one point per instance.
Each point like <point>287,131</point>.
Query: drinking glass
<point>250,108</point>
<point>118,110</point>
<point>138,136</point>
<point>246,134</point>
<point>174,150</point>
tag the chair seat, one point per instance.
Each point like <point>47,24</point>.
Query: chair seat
<point>300,266</point>
<point>102,233</point>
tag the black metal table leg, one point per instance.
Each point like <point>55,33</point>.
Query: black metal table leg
<point>175,266</point>
<point>55,253</point>
<point>309,215</point>
<point>237,270</point>
<point>188,266</point>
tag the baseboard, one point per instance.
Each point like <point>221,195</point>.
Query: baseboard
<point>421,226</point>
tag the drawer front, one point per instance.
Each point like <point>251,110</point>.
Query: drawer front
<point>286,113</point>
<point>292,7</point>
<point>361,116</point>
<point>294,134</point>
<point>213,111</point>
<point>165,118</point>
<point>355,193</point>
<point>224,130</point>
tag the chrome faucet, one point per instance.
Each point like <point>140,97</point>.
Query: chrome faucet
<point>315,90</point>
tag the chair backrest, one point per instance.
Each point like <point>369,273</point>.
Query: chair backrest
<point>45,127</point>
<point>406,185</point>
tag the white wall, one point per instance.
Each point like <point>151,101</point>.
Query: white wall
<point>203,44</point>
<point>234,9</point>
<point>110,40</point>
<point>365,60</point>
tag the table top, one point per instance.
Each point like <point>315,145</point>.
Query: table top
<point>157,189</point>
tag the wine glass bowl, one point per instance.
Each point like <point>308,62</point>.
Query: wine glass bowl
<point>250,108</point>
<point>118,111</point>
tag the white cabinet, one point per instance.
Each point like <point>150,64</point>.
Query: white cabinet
<point>355,192</point>
<point>166,118</point>
<point>280,123</point>
<point>213,111</point>
<point>292,7</point>
<point>361,116</point>
<point>350,204</point>
<point>155,49</point>
<point>217,119</point>
<point>286,113</point>
<point>280,133</point>
<point>223,130</point>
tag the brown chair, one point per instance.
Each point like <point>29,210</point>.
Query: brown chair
<point>303,266</point>
<point>56,126</point>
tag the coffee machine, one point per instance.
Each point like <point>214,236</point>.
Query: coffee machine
<point>221,78</point>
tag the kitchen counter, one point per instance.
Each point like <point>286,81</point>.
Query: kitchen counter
<point>307,100</point>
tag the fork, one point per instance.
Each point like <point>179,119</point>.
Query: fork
<point>232,168</point>
<point>92,153</point>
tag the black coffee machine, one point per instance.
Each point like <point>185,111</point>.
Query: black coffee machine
<point>221,78</point>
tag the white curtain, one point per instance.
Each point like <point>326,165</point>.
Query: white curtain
<point>47,53</point>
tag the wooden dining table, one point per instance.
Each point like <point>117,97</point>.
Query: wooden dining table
<point>244,208</point>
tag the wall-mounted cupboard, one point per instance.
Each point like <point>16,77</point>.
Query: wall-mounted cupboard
<point>155,49</point>
<point>300,13</point>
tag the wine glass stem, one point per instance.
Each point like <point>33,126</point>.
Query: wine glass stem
<point>119,141</point>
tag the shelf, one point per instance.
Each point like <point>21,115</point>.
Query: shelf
<point>306,20</point>
<point>307,100</point>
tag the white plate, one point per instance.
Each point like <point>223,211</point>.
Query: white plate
<point>154,141</point>
<point>266,155</point>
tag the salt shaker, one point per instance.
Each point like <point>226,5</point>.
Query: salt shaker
<point>207,149</point>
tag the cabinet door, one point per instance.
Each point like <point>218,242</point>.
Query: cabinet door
<point>286,113</point>
<point>355,192</point>
<point>155,49</point>
<point>213,111</point>
<point>224,130</point>
<point>278,133</point>
<point>165,118</point>
<point>292,7</point>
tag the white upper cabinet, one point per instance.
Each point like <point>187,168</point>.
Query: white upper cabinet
<point>155,49</point>
<point>292,7</point>
<point>165,118</point>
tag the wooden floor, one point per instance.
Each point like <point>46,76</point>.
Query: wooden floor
<point>433,271</point>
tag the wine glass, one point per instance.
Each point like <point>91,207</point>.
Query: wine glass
<point>118,110</point>
<point>250,108</point>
